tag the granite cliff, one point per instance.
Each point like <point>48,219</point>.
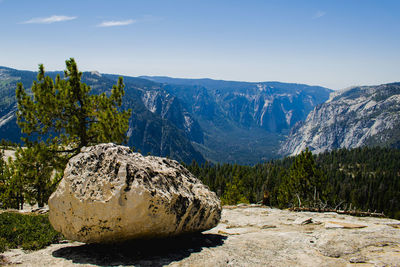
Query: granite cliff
<point>355,117</point>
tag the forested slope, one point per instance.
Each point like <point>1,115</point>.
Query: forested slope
<point>358,179</point>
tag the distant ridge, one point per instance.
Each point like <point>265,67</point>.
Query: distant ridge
<point>219,84</point>
<point>355,117</point>
<point>186,119</point>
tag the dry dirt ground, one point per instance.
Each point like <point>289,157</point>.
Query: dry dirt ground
<point>246,236</point>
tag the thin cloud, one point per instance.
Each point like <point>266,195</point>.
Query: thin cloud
<point>319,14</point>
<point>113,23</point>
<point>49,20</point>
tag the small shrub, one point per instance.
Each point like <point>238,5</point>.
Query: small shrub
<point>3,246</point>
<point>31,232</point>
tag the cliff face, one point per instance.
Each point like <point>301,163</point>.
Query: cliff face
<point>170,108</point>
<point>367,115</point>
<point>271,106</point>
<point>265,106</point>
<point>185,119</point>
<point>243,122</point>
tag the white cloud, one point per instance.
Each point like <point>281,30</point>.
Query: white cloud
<point>48,20</point>
<point>319,14</point>
<point>113,23</point>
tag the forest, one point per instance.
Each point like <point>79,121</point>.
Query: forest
<point>58,117</point>
<point>363,179</point>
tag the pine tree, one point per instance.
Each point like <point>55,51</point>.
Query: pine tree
<point>66,117</point>
<point>234,192</point>
<point>34,167</point>
<point>12,187</point>
<point>3,178</point>
<point>59,118</point>
<point>304,184</point>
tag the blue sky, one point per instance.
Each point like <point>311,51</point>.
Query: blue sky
<point>333,43</point>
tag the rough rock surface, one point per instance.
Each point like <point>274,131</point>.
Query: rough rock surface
<point>109,194</point>
<point>367,115</point>
<point>246,236</point>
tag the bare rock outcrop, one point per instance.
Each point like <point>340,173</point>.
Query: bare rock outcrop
<point>248,235</point>
<point>110,193</point>
<point>355,117</point>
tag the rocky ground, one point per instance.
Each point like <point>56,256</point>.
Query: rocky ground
<point>246,236</point>
<point>8,154</point>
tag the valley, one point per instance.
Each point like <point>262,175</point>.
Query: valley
<point>186,119</point>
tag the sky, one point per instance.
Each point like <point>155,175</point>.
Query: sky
<point>332,43</point>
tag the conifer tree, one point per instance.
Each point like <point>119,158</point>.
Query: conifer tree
<point>234,192</point>
<point>12,187</point>
<point>304,184</point>
<point>33,166</point>
<point>66,117</point>
<point>4,179</point>
<point>59,118</point>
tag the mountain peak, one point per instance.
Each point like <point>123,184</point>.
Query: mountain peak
<point>357,116</point>
<point>95,73</point>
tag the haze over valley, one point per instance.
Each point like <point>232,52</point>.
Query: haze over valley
<point>234,122</point>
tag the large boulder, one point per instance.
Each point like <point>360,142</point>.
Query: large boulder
<point>110,194</point>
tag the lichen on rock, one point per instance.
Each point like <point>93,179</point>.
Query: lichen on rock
<point>110,194</point>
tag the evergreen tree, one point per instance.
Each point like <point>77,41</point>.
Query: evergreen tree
<point>59,118</point>
<point>234,192</point>
<point>363,178</point>
<point>3,178</point>
<point>12,188</point>
<point>66,117</point>
<point>304,183</point>
<point>34,167</point>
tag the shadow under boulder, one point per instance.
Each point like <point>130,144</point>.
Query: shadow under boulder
<point>152,252</point>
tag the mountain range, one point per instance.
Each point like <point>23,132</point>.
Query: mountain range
<point>355,117</point>
<point>229,121</point>
<point>242,122</point>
